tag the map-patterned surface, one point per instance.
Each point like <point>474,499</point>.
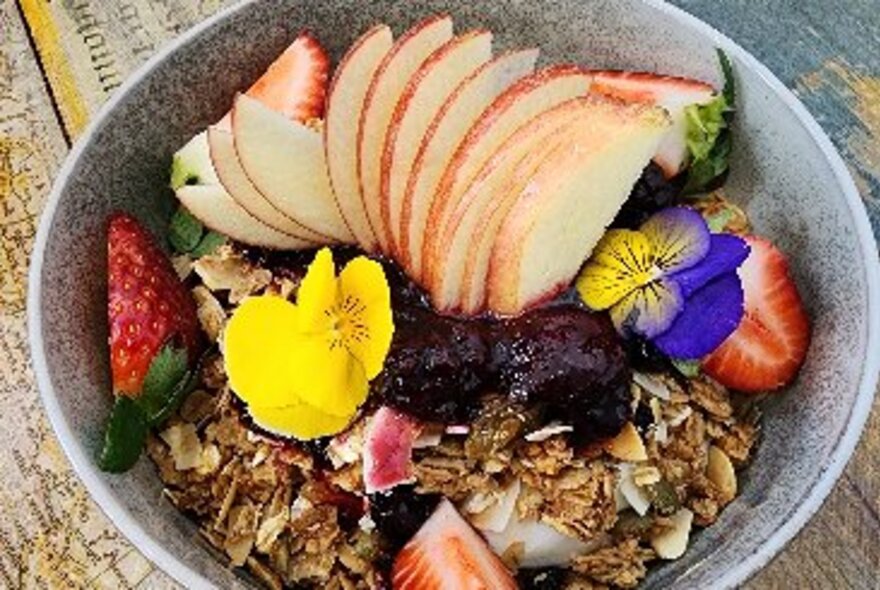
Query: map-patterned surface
<point>61,59</point>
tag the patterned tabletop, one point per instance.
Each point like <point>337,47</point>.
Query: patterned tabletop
<point>60,60</point>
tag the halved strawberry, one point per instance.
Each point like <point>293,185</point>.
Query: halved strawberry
<point>447,554</point>
<point>673,94</point>
<point>769,346</point>
<point>295,85</point>
<point>147,304</point>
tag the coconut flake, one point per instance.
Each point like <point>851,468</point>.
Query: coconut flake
<point>635,497</point>
<point>496,516</point>
<point>346,448</point>
<point>679,418</point>
<point>538,544</point>
<point>366,523</point>
<point>546,432</point>
<point>652,385</point>
<point>429,436</point>
<point>458,429</point>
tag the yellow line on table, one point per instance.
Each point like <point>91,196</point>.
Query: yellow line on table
<point>38,14</point>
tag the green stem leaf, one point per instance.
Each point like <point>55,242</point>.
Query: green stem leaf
<point>125,436</point>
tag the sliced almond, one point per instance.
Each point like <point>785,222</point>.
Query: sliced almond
<point>627,445</point>
<point>720,472</point>
<point>672,542</point>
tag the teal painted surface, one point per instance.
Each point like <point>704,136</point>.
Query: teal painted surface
<point>829,54</point>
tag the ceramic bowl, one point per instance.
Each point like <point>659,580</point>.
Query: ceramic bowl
<point>784,172</point>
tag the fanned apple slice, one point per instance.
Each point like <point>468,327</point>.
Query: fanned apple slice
<point>422,99</point>
<point>386,88</point>
<point>285,162</point>
<point>504,174</point>
<point>489,214</point>
<point>557,219</point>
<point>446,131</point>
<point>236,182</point>
<point>345,104</point>
<point>522,101</point>
<point>213,206</point>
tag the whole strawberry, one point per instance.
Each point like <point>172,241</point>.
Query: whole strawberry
<point>154,340</point>
<point>148,306</point>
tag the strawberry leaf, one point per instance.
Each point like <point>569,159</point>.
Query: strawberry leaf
<point>210,242</point>
<point>125,436</point>
<point>184,231</point>
<point>167,373</point>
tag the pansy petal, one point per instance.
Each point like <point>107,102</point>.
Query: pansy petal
<point>256,344</point>
<point>649,310</point>
<point>679,238</point>
<point>365,319</point>
<point>298,420</point>
<point>726,254</point>
<point>317,294</point>
<point>710,315</point>
<point>325,375</point>
<point>620,263</point>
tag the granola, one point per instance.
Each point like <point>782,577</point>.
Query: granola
<point>294,517</point>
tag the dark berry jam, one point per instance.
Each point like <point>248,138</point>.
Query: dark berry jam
<point>569,360</point>
<point>561,358</point>
<point>437,367</point>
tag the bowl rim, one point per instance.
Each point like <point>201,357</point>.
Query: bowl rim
<point>84,465</point>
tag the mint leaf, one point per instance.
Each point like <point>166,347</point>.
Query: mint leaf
<point>210,242</point>
<point>708,136</point>
<point>184,231</point>
<point>125,436</point>
<point>168,370</point>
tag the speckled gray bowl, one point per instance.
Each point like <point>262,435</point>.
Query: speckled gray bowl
<point>785,172</point>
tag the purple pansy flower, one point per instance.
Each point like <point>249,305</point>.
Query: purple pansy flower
<point>672,281</point>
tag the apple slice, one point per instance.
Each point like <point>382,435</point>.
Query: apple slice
<point>386,88</point>
<point>212,205</point>
<point>236,182</point>
<point>488,217</point>
<point>344,106</point>
<point>505,174</point>
<point>519,103</point>
<point>446,131</point>
<point>557,219</point>
<point>285,162</point>
<point>423,97</point>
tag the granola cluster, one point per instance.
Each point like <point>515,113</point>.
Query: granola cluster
<point>295,516</point>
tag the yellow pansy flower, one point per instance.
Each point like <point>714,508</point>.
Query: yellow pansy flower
<point>304,369</point>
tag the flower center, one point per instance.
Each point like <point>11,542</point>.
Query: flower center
<point>648,275</point>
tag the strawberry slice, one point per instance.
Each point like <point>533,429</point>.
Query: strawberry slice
<point>295,85</point>
<point>768,347</point>
<point>673,94</point>
<point>447,554</point>
<point>147,305</point>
